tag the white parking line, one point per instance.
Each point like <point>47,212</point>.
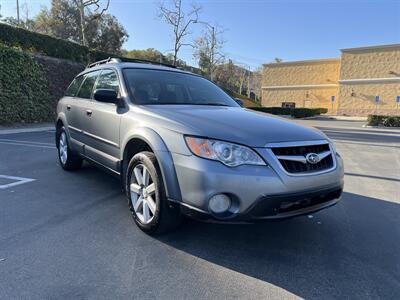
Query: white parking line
<point>18,181</point>
<point>27,142</point>
<point>16,143</point>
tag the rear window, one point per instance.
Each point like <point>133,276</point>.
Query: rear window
<point>74,86</point>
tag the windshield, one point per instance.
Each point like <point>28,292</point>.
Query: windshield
<point>165,87</point>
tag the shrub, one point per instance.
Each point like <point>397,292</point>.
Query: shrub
<point>392,122</point>
<point>294,112</point>
<point>30,86</point>
<point>374,120</point>
<point>59,74</point>
<point>322,110</point>
<point>273,110</point>
<point>304,112</point>
<point>387,121</point>
<point>43,44</point>
<point>24,93</point>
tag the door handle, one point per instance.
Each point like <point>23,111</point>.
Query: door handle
<point>88,112</point>
<point>68,107</point>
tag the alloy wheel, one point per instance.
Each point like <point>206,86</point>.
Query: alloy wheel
<point>142,191</point>
<point>63,148</point>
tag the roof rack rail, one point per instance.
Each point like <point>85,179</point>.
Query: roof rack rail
<point>126,59</point>
<point>145,61</point>
<point>104,61</point>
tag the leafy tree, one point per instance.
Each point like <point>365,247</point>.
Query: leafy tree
<point>147,54</point>
<point>227,76</point>
<point>25,23</point>
<point>60,21</point>
<point>28,24</point>
<point>83,6</point>
<point>101,30</point>
<point>106,34</point>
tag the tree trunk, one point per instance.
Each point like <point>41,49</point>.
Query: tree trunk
<point>81,8</point>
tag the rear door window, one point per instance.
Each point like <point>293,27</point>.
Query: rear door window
<point>87,86</point>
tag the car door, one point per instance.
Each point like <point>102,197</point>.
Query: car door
<point>71,111</point>
<point>81,110</point>
<point>104,123</point>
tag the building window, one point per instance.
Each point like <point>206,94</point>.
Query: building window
<point>288,104</point>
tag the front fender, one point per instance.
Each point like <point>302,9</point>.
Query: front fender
<point>61,117</point>
<point>163,155</point>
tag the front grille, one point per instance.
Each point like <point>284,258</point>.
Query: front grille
<point>293,166</point>
<point>301,150</point>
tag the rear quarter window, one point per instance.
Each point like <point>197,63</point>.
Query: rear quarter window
<point>73,88</point>
<point>87,86</point>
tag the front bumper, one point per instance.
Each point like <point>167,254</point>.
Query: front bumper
<point>257,192</point>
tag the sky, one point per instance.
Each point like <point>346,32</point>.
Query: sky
<point>257,31</point>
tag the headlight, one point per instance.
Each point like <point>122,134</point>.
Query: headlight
<point>229,154</point>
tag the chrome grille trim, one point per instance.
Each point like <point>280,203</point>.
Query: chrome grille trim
<point>301,158</point>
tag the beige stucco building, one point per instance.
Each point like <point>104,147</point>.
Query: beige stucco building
<point>352,81</point>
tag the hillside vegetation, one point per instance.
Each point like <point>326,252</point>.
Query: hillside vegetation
<point>35,70</point>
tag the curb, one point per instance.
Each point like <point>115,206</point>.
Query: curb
<point>381,127</point>
<point>25,130</point>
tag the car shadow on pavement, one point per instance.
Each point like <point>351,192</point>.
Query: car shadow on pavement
<point>351,250</point>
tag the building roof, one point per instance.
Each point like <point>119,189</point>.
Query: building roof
<point>376,47</point>
<point>305,62</point>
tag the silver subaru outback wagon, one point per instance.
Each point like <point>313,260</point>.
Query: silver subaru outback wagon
<point>182,146</point>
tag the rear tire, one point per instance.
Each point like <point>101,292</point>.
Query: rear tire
<point>69,161</point>
<point>150,208</point>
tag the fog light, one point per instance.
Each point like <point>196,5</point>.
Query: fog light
<point>219,203</point>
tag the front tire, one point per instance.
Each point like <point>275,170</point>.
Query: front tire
<point>69,161</point>
<point>150,208</point>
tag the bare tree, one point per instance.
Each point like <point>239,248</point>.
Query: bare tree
<point>180,21</point>
<point>257,82</point>
<point>208,49</point>
<point>87,4</point>
<point>244,73</point>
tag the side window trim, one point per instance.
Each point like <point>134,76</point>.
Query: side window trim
<point>83,81</point>
<point>78,88</point>
<point>118,79</point>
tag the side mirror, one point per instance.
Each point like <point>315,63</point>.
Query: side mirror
<point>239,101</point>
<point>106,95</point>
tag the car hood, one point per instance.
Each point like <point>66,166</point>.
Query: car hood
<point>235,124</point>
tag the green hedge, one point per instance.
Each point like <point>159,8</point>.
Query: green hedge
<point>41,43</point>
<point>24,93</point>
<point>273,110</point>
<point>294,112</point>
<point>47,45</point>
<point>386,121</point>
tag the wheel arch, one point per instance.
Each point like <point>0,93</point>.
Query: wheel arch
<point>146,139</point>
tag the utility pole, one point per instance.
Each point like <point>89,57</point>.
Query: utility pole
<point>18,11</point>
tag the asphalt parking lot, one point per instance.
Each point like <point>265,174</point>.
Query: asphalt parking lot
<point>69,235</point>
